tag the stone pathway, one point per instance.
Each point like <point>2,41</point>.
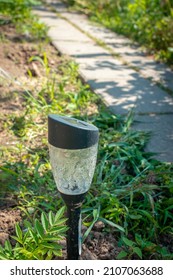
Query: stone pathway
<point>119,72</point>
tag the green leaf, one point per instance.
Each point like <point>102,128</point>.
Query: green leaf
<point>51,218</point>
<point>135,217</point>
<point>48,245</point>
<point>26,254</point>
<point>17,239</point>
<point>59,214</point>
<point>3,256</point>
<point>26,235</point>
<point>44,221</point>
<point>112,224</point>
<point>96,213</point>
<point>87,231</point>
<point>34,236</point>
<point>118,144</point>
<point>39,228</point>
<point>121,255</point>
<point>60,222</point>
<point>147,214</point>
<point>138,251</point>
<point>9,171</point>
<point>127,241</point>
<point>18,231</point>
<point>57,253</point>
<point>37,58</point>
<point>8,245</point>
<point>52,238</point>
<point>58,229</point>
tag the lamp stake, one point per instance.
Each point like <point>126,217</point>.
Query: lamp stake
<point>73,245</point>
<point>73,203</point>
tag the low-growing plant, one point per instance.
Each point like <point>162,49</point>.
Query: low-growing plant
<point>38,240</point>
<point>19,12</point>
<point>130,249</point>
<point>141,248</point>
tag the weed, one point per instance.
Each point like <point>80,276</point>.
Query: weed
<point>38,241</point>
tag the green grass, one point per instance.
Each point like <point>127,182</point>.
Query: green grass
<point>149,22</point>
<point>19,13</point>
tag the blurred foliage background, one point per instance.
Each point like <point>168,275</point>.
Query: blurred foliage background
<point>149,22</point>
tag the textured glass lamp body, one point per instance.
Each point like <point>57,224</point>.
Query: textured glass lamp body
<point>73,170</point>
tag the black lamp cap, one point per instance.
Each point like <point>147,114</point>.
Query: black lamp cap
<point>71,133</point>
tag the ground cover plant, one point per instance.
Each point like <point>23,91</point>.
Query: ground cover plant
<point>149,22</point>
<point>19,13</point>
<point>128,212</point>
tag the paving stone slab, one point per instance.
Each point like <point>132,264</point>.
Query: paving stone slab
<point>122,97</point>
<point>58,27</point>
<point>80,49</point>
<point>161,128</point>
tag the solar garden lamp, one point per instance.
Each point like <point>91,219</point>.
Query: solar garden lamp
<point>73,153</point>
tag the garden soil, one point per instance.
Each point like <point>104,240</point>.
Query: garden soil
<point>15,54</point>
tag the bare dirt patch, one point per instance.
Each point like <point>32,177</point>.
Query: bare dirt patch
<point>8,219</point>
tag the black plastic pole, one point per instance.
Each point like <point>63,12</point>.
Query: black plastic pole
<point>73,233</point>
<point>73,203</point>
